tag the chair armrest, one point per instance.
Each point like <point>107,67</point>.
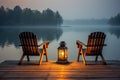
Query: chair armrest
<point>79,43</point>
<point>44,44</point>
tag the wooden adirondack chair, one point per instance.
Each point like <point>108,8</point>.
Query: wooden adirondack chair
<point>93,48</point>
<point>30,47</point>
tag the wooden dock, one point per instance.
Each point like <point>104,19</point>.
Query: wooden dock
<point>9,70</point>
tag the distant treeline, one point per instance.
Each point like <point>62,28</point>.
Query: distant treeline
<point>18,16</point>
<point>87,21</point>
<point>115,20</point>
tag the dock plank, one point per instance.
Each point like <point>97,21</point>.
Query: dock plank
<point>9,70</point>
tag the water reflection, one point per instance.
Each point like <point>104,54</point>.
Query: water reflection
<point>115,31</point>
<point>11,35</point>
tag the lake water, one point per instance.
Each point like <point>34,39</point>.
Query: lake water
<point>10,49</point>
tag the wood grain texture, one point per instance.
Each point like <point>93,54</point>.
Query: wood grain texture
<point>9,70</point>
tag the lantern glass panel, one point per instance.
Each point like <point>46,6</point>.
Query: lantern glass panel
<point>62,54</point>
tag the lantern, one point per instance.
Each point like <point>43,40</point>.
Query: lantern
<point>62,53</point>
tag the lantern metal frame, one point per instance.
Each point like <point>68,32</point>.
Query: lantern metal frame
<point>62,53</point>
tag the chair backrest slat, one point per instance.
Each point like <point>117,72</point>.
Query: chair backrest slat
<point>95,43</point>
<point>29,43</point>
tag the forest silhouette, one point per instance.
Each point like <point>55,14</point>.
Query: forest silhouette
<point>18,16</point>
<point>115,20</point>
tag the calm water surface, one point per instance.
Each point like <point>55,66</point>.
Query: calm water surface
<point>9,40</point>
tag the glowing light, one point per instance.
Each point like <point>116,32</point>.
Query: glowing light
<point>62,53</point>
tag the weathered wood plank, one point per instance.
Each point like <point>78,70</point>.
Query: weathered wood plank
<point>52,71</point>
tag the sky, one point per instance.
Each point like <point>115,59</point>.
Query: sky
<point>70,9</point>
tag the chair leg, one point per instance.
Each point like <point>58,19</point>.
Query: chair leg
<point>78,57</point>
<point>79,53</point>
<point>46,56</point>
<point>103,60</point>
<point>96,59</point>
<point>28,59</point>
<point>83,58</point>
<point>21,59</point>
<point>41,57</point>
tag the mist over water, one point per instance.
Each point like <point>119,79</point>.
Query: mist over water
<point>10,49</point>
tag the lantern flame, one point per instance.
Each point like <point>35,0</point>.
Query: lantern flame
<point>62,53</point>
